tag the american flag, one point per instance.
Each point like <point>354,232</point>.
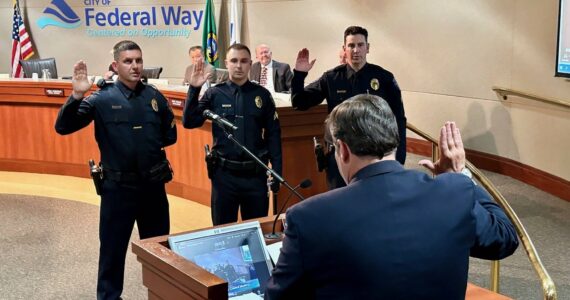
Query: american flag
<point>21,43</point>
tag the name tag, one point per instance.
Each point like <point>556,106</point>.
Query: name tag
<point>226,105</point>
<point>341,91</point>
<point>137,127</point>
<point>116,106</point>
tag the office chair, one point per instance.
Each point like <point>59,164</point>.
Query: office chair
<point>152,72</point>
<point>221,75</point>
<point>31,66</point>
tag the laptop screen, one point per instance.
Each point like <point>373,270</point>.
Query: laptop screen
<point>235,253</point>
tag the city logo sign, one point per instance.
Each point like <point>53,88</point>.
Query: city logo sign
<point>60,16</point>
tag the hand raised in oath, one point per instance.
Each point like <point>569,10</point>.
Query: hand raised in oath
<point>199,74</point>
<point>81,83</point>
<point>451,151</point>
<point>302,64</point>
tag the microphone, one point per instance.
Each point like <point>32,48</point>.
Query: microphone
<point>319,154</point>
<point>225,124</point>
<point>272,236</point>
<point>101,83</point>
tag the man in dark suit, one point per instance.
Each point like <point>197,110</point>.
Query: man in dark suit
<point>271,74</point>
<point>390,233</point>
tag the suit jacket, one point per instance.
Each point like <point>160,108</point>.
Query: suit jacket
<point>390,234</point>
<point>282,75</point>
<point>215,75</point>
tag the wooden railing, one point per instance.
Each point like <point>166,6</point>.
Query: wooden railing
<point>504,92</point>
<point>548,287</point>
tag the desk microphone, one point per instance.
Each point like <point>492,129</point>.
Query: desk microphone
<point>225,124</point>
<point>272,236</point>
<point>101,83</point>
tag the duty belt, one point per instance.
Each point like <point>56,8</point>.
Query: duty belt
<point>122,176</point>
<point>234,165</point>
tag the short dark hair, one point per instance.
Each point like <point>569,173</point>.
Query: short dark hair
<point>238,46</point>
<point>366,124</point>
<point>354,30</point>
<point>196,48</point>
<point>124,46</point>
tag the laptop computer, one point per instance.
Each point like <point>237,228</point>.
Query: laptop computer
<point>236,253</point>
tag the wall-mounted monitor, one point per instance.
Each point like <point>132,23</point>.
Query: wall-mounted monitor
<point>563,49</point>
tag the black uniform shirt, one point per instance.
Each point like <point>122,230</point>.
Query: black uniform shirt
<point>131,127</point>
<point>251,108</point>
<point>343,82</point>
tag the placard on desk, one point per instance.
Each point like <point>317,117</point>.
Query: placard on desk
<point>54,92</point>
<point>176,102</point>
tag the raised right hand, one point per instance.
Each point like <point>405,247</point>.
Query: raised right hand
<point>80,83</point>
<point>302,64</point>
<point>199,76</point>
<point>451,151</point>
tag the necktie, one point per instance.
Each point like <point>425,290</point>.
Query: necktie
<point>263,76</point>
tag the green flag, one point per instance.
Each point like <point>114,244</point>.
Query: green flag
<point>209,35</point>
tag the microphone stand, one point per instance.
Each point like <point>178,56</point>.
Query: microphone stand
<point>270,171</point>
<point>259,162</point>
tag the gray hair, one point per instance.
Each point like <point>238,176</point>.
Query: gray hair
<point>366,124</point>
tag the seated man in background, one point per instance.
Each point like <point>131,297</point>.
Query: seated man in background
<point>391,233</point>
<point>197,54</point>
<point>270,74</point>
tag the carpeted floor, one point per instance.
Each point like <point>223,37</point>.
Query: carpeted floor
<point>49,247</point>
<point>49,250</point>
<point>547,221</point>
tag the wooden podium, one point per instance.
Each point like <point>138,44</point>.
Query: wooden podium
<point>170,276</point>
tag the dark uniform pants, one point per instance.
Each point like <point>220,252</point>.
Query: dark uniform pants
<point>334,179</point>
<point>121,206</point>
<point>233,189</point>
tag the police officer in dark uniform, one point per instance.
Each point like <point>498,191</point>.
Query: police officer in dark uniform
<point>353,78</point>
<point>133,123</point>
<point>237,181</point>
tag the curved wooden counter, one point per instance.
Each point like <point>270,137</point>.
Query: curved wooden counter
<point>29,143</point>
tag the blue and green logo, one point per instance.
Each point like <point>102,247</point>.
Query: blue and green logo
<point>60,16</point>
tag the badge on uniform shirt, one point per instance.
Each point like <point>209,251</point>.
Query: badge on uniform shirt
<point>154,104</point>
<point>374,84</point>
<point>258,101</point>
